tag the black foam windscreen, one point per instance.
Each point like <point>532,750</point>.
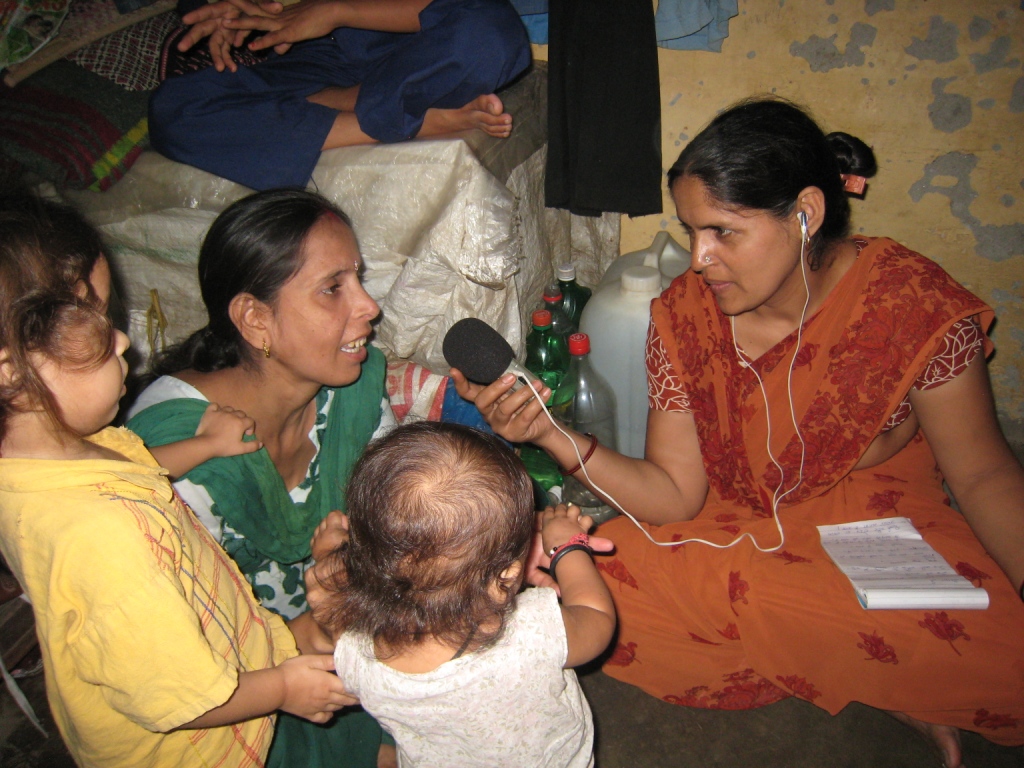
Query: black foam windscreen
<point>476,349</point>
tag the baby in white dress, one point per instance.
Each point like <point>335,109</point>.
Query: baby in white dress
<point>435,637</point>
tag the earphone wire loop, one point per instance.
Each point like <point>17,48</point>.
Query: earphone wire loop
<point>779,494</point>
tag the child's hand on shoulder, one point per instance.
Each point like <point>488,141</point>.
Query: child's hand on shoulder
<point>223,429</point>
<point>311,689</point>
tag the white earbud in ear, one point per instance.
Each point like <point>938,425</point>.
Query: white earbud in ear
<point>803,226</point>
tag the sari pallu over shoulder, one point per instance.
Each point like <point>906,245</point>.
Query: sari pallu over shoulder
<point>247,490</point>
<point>859,356</point>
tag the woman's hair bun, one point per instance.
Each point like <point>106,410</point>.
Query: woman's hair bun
<point>204,351</point>
<point>852,154</point>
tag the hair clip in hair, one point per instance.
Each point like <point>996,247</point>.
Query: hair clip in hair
<point>853,184</point>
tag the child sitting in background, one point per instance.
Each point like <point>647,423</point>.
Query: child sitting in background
<point>156,652</point>
<point>434,637</point>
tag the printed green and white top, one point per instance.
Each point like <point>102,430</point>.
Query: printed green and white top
<point>279,586</point>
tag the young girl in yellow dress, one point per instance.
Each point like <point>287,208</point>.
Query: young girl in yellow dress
<point>155,650</point>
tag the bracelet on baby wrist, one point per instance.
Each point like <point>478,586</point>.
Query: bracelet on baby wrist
<point>579,542</point>
<point>579,538</point>
<point>586,456</point>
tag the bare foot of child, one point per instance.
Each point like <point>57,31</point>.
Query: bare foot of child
<point>945,737</point>
<point>485,113</point>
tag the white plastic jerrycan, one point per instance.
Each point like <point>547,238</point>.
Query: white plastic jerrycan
<point>616,319</point>
<point>664,254</point>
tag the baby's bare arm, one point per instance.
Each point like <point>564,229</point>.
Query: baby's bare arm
<point>221,432</point>
<point>587,608</point>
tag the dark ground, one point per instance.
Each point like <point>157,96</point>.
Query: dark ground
<point>635,730</point>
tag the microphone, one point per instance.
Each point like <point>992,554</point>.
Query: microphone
<point>482,354</point>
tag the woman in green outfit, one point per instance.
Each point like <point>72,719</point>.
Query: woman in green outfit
<point>286,343</point>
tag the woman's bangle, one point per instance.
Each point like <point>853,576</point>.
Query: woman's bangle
<point>562,552</point>
<point>586,457</point>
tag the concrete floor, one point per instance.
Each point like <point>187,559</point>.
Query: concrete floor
<point>635,730</point>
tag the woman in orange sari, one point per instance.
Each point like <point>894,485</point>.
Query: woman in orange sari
<point>800,377</point>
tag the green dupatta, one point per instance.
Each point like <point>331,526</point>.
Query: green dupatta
<point>248,492</point>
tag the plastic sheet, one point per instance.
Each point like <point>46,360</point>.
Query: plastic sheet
<point>441,237</point>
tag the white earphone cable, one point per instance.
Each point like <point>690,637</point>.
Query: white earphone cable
<point>779,494</point>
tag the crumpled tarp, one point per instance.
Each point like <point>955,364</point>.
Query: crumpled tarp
<point>441,238</point>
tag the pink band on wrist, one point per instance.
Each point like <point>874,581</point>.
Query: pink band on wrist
<point>579,538</point>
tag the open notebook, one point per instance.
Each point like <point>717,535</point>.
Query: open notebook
<point>891,566</point>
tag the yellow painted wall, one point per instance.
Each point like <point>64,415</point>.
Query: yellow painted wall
<point>936,87</point>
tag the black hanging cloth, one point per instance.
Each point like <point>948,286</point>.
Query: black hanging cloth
<point>604,108</point>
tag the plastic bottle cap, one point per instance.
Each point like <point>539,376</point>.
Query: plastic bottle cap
<point>541,318</point>
<point>566,272</point>
<point>641,279</point>
<point>579,344</point>
<point>553,293</point>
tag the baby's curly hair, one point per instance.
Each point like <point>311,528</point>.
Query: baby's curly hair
<point>438,512</point>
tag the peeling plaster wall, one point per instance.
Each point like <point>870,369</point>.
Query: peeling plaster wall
<point>936,88</point>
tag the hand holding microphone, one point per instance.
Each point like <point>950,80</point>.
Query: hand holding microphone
<point>482,354</point>
<point>480,358</point>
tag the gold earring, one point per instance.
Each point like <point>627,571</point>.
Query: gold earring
<point>266,349</point>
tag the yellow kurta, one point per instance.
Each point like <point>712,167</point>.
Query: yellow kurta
<point>143,620</point>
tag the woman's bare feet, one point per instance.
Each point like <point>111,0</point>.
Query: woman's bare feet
<point>945,737</point>
<point>485,113</point>
<point>387,757</point>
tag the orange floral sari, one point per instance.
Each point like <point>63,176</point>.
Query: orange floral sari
<point>738,628</point>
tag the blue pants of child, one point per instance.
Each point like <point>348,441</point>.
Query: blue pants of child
<point>255,126</point>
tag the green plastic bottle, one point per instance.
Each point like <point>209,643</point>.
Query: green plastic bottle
<point>540,466</point>
<point>574,295</point>
<point>547,358</point>
<point>547,354</point>
<point>561,325</point>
